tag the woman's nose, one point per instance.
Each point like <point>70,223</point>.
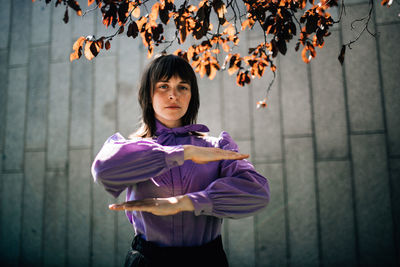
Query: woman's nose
<point>173,93</point>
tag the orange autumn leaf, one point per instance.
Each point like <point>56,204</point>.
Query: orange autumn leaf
<point>149,51</point>
<point>88,53</point>
<point>78,43</point>
<point>90,2</point>
<point>233,69</point>
<point>75,55</point>
<point>141,22</point>
<point>213,72</point>
<point>202,69</point>
<point>154,12</point>
<point>230,30</point>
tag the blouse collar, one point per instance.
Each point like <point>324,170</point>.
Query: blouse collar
<point>161,129</point>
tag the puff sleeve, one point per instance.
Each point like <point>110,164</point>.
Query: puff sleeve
<point>238,192</point>
<point>122,162</point>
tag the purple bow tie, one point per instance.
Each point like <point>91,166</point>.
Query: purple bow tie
<point>165,133</point>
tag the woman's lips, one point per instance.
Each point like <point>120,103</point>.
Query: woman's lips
<point>173,107</point>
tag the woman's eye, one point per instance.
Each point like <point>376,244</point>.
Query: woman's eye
<point>163,86</point>
<point>184,88</point>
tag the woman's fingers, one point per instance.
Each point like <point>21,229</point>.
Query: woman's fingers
<point>227,154</point>
<point>130,205</point>
<point>207,154</point>
<point>157,206</point>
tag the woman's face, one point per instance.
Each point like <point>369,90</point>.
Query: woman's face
<point>171,100</point>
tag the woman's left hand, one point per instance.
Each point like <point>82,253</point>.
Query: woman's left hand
<point>157,206</point>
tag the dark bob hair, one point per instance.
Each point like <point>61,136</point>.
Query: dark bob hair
<point>161,68</point>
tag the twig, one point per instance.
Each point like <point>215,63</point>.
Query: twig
<point>368,18</point>
<point>90,10</point>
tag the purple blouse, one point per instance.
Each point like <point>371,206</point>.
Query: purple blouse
<point>155,167</point>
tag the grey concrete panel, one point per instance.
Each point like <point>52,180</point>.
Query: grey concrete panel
<point>395,193</point>
<point>241,232</point>
<point>235,99</point>
<point>32,216</point>
<point>375,223</point>
<point>81,103</point>
<point>3,93</point>
<point>362,76</point>
<point>37,98</point>
<point>61,35</point>
<point>55,218</point>
<point>336,214</point>
<point>129,71</point>
<point>303,235</point>
<point>19,45</point>
<point>267,121</point>
<point>236,108</point>
<point>104,228</point>
<point>58,113</point>
<point>10,225</point>
<point>5,14</point>
<point>386,14</point>
<point>352,2</point>
<point>270,230</point>
<point>79,183</point>
<point>295,93</point>
<point>210,103</point>
<point>15,120</point>
<point>126,233</point>
<point>225,236</point>
<point>41,17</point>
<point>328,100</point>
<point>104,101</point>
<point>244,147</point>
<point>104,126</point>
<point>389,39</point>
<point>241,242</point>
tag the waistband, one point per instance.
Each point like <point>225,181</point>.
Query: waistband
<point>149,248</point>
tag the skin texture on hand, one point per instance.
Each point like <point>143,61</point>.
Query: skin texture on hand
<point>202,155</point>
<point>157,206</point>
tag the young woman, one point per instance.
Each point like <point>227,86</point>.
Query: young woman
<point>180,182</point>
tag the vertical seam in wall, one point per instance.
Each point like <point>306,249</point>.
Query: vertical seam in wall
<point>117,122</point>
<point>316,182</point>
<point>93,69</point>
<point>46,137</point>
<point>383,104</point>
<point>283,166</point>
<point>252,149</point>
<point>350,154</point>
<point>67,181</point>
<point>27,86</point>
<point>222,118</point>
<point>5,112</point>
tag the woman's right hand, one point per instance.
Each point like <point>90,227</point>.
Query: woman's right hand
<point>204,155</point>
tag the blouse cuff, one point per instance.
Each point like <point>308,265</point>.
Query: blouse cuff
<point>201,202</point>
<point>174,156</point>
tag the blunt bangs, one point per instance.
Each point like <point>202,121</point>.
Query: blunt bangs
<point>166,67</point>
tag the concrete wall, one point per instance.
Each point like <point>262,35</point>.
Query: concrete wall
<point>328,143</point>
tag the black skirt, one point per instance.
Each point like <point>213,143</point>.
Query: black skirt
<point>148,254</point>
